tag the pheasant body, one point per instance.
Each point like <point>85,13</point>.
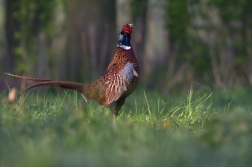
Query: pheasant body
<point>114,86</point>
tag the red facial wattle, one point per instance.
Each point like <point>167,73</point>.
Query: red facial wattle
<point>127,28</point>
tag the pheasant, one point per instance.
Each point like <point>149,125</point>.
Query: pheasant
<point>114,86</point>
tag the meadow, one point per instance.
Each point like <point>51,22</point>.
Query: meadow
<point>201,127</point>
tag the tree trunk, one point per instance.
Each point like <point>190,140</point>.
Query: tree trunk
<point>11,26</point>
<point>123,13</point>
<point>42,63</point>
<point>156,38</point>
<point>91,41</point>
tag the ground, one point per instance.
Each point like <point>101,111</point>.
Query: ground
<point>197,128</point>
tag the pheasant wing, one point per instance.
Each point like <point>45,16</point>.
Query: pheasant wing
<point>117,83</point>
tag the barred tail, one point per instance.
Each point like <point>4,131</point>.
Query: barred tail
<point>29,78</point>
<point>82,88</point>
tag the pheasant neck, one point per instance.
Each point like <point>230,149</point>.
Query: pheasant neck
<point>124,41</point>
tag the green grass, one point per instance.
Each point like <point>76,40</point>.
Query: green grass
<point>194,129</point>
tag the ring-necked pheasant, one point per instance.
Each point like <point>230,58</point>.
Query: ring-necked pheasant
<point>112,88</point>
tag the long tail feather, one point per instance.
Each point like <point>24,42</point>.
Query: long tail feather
<point>29,78</point>
<point>64,84</point>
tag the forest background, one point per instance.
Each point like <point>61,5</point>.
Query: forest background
<point>179,43</point>
<point>192,106</point>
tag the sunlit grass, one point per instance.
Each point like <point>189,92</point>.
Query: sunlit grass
<point>151,130</point>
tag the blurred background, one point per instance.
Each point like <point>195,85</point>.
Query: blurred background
<point>179,43</point>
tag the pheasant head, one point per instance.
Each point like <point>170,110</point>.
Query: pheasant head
<point>125,36</point>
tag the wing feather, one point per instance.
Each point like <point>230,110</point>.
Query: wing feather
<point>118,83</point>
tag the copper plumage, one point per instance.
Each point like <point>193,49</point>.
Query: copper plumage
<point>114,86</point>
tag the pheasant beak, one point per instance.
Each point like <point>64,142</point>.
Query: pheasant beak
<point>131,25</point>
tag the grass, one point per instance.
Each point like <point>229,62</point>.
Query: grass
<point>196,129</point>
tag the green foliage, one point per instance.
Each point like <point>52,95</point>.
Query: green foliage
<point>232,9</point>
<point>33,17</point>
<point>236,16</point>
<point>189,24</point>
<point>178,19</point>
<point>67,131</point>
<point>138,8</point>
